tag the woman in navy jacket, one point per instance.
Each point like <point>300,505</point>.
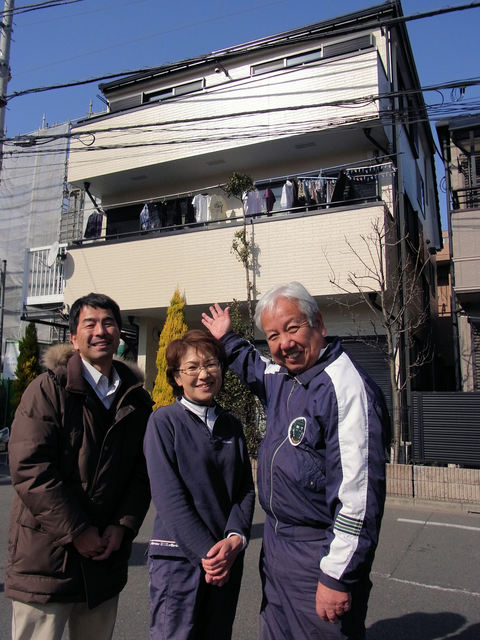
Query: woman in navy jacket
<point>202,488</point>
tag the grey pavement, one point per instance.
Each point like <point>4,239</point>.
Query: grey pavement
<point>426,576</point>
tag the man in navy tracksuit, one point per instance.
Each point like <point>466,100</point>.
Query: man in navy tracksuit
<point>321,468</point>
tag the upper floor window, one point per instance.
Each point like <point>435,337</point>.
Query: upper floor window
<point>175,91</point>
<point>325,51</point>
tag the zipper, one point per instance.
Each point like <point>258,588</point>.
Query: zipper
<point>115,422</point>
<point>273,458</point>
<point>271,481</point>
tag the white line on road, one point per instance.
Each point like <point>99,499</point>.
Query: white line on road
<point>387,576</point>
<point>439,524</point>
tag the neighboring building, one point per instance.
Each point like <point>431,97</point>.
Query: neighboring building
<point>327,119</point>
<point>31,198</point>
<point>460,141</point>
<point>39,216</point>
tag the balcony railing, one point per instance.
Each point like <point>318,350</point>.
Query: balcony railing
<point>468,198</point>
<point>43,275</point>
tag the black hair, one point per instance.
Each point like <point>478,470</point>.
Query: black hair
<point>201,341</point>
<point>97,301</point>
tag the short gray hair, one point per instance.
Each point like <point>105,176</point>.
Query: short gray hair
<point>293,290</point>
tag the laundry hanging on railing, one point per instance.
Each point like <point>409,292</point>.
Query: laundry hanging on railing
<point>253,202</point>
<point>270,200</point>
<point>201,203</point>
<point>149,217</point>
<point>94,226</point>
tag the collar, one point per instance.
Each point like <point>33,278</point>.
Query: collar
<point>103,387</point>
<point>207,415</point>
<point>325,357</point>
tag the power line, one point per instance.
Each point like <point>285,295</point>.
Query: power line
<point>47,4</point>
<point>353,102</point>
<point>219,134</point>
<point>214,55</point>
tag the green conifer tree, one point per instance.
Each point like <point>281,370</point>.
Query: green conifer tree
<point>28,365</point>
<point>174,327</point>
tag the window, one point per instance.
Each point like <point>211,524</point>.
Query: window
<point>326,51</point>
<point>265,67</point>
<point>304,58</point>
<point>348,46</point>
<point>172,92</point>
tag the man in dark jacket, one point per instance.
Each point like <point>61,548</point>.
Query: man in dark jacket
<point>321,468</point>
<point>81,484</point>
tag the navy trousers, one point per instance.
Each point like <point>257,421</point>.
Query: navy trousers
<point>184,607</point>
<point>289,571</point>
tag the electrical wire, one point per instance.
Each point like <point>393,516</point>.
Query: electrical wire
<point>47,4</point>
<point>256,45</point>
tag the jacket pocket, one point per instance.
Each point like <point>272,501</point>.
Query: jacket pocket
<point>35,551</point>
<point>313,470</point>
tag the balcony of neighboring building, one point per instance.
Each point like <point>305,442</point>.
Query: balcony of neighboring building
<point>465,223</point>
<point>44,276</point>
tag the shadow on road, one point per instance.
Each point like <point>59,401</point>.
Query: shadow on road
<point>423,626</point>
<point>138,557</point>
<point>257,531</point>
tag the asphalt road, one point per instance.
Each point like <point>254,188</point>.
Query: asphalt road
<point>426,577</point>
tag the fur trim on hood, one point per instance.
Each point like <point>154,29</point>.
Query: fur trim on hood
<point>59,354</point>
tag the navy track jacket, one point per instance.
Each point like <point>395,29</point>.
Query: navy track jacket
<point>201,481</point>
<point>321,465</point>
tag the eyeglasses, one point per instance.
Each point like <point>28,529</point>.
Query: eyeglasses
<point>194,370</point>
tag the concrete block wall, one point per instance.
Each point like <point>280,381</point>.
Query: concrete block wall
<point>446,484</point>
<point>443,484</point>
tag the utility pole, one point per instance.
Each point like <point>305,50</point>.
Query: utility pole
<point>5,38</point>
<point>3,280</point>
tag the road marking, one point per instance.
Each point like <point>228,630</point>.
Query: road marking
<point>439,524</point>
<point>387,576</point>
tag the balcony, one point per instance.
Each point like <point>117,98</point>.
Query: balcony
<point>468,198</point>
<point>270,124</point>
<point>141,272</point>
<point>466,253</point>
<point>44,278</point>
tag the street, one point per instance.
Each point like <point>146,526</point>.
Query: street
<point>425,579</point>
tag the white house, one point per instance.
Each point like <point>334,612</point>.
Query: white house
<point>329,122</point>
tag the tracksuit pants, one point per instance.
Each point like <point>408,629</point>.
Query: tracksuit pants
<point>289,571</point>
<point>184,607</point>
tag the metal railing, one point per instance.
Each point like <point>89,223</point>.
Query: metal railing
<point>468,198</point>
<point>43,275</point>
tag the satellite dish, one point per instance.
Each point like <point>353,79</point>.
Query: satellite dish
<point>52,254</point>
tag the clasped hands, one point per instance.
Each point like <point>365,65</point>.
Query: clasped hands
<point>91,544</point>
<point>219,560</point>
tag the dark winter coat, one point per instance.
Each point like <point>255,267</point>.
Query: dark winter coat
<point>74,464</point>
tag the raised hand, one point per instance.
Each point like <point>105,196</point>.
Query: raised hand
<point>218,322</point>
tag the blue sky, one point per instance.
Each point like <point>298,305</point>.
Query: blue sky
<point>92,38</point>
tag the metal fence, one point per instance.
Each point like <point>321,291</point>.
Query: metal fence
<point>446,428</point>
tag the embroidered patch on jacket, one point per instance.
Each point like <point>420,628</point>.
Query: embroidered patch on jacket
<point>348,525</point>
<point>296,431</point>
